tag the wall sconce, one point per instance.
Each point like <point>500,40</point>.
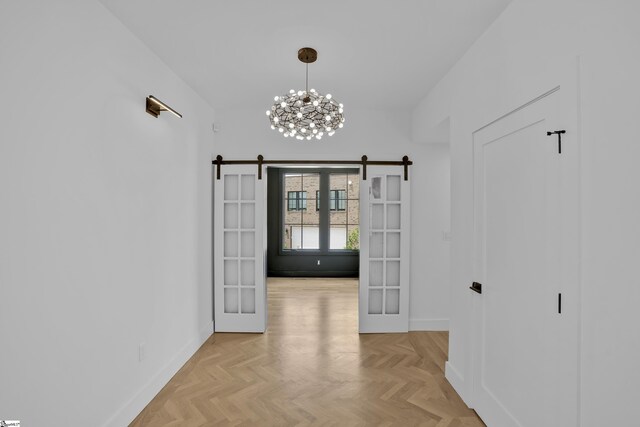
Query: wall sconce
<point>155,106</point>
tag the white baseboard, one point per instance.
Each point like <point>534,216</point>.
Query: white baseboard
<point>131,409</point>
<point>428,324</point>
<point>457,381</point>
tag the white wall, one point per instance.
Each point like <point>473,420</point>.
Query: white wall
<point>381,135</point>
<point>430,290</point>
<point>518,58</point>
<point>104,220</point>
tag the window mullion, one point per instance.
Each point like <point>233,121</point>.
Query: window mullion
<point>324,212</point>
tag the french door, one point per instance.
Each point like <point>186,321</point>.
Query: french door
<point>384,251</point>
<point>239,251</point>
<point>525,336</point>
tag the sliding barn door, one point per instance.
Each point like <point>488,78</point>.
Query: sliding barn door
<point>239,248</point>
<point>384,251</point>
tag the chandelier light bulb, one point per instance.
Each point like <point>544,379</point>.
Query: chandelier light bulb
<point>268,112</point>
<point>328,96</point>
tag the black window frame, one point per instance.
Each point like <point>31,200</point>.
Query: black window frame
<point>324,219</point>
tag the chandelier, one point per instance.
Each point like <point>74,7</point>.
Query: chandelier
<point>306,114</point>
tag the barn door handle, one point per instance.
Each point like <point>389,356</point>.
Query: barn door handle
<point>476,287</point>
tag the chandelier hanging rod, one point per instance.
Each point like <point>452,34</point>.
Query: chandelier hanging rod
<point>364,162</point>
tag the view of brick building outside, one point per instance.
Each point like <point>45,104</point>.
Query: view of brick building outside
<point>302,211</point>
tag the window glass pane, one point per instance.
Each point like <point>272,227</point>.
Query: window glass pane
<point>302,213</point>
<point>292,218</point>
<point>337,217</point>
<point>353,186</point>
<point>287,235</point>
<point>310,237</point>
<point>295,237</point>
<point>338,237</point>
<point>337,181</point>
<point>292,182</point>
<point>353,237</point>
<point>344,219</point>
<point>303,237</point>
<point>341,200</point>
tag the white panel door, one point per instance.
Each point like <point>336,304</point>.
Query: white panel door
<point>384,250</point>
<point>525,350</point>
<point>239,250</point>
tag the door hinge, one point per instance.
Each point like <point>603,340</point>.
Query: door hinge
<point>559,133</point>
<point>476,287</point>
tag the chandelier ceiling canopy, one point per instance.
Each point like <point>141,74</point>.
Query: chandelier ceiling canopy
<point>306,114</point>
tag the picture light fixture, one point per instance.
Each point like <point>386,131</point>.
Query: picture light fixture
<point>155,106</point>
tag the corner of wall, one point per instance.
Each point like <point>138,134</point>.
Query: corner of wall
<point>457,382</point>
<point>126,414</point>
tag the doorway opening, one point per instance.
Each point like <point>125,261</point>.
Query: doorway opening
<point>357,225</point>
<point>313,222</point>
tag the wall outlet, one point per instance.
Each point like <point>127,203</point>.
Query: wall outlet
<point>141,351</point>
<point>446,236</point>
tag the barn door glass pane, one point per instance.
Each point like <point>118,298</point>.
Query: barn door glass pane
<point>239,243</point>
<point>384,244</point>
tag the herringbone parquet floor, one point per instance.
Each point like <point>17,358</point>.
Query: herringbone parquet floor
<point>313,368</point>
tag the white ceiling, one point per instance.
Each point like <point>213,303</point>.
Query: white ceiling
<point>380,54</point>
